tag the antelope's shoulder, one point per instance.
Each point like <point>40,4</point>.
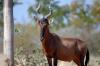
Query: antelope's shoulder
<point>55,36</point>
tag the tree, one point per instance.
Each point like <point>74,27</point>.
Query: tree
<point>84,16</point>
<point>8,32</point>
<point>15,2</point>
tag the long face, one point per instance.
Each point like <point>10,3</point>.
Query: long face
<point>43,23</point>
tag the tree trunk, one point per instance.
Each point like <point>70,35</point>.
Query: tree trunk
<point>8,32</point>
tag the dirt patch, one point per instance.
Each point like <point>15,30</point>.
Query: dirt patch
<point>62,63</point>
<point>2,60</point>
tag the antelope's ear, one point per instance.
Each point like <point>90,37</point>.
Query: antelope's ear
<point>51,21</point>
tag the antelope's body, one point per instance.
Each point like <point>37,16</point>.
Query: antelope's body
<point>57,48</point>
<point>65,49</point>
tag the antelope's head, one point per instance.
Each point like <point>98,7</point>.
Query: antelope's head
<point>43,22</point>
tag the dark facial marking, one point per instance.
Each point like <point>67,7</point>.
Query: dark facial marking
<point>42,33</point>
<point>44,23</point>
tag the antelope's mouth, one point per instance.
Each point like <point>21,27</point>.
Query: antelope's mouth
<point>42,34</point>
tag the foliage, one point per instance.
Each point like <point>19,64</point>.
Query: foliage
<point>83,15</point>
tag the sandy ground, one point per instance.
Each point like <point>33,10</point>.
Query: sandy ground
<point>2,58</point>
<point>61,63</point>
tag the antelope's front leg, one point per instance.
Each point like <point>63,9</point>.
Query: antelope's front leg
<point>49,61</point>
<point>55,62</point>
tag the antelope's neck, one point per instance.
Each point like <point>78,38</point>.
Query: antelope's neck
<point>46,42</point>
<point>47,34</point>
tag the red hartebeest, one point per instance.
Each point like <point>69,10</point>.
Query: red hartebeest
<point>57,48</point>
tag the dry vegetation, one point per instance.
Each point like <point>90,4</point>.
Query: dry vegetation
<point>37,58</point>
<point>28,52</point>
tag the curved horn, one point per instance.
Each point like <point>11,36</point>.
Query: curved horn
<point>50,13</point>
<point>37,11</point>
<point>38,7</point>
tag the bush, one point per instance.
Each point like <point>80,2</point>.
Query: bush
<point>26,58</point>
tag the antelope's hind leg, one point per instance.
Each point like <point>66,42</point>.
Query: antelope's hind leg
<point>79,62</point>
<point>55,62</point>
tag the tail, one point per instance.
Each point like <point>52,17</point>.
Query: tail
<point>87,58</point>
